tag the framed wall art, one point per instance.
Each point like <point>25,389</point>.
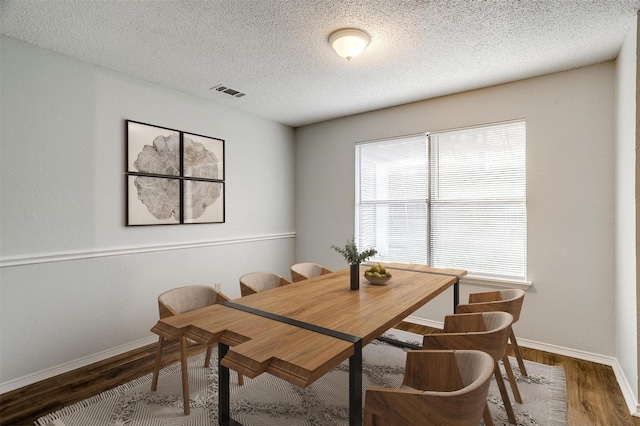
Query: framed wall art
<point>173,177</point>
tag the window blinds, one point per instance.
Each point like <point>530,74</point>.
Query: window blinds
<point>391,198</point>
<point>478,200</point>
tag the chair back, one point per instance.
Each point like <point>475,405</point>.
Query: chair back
<point>473,366</point>
<point>485,331</point>
<point>447,387</point>
<point>304,270</point>
<point>185,299</point>
<point>508,300</point>
<point>260,281</point>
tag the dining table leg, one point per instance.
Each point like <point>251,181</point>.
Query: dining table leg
<point>456,294</point>
<point>355,385</point>
<point>224,397</point>
<point>224,392</point>
<point>185,375</point>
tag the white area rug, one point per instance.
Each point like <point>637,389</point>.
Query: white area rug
<point>267,400</point>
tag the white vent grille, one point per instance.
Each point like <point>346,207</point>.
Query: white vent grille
<point>228,90</point>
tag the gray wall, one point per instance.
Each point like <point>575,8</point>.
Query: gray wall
<point>626,190</point>
<point>76,282</point>
<point>570,194</point>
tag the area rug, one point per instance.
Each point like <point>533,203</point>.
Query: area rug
<point>267,400</point>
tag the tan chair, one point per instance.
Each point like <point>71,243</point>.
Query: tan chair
<point>439,388</point>
<point>503,300</point>
<point>178,301</point>
<point>255,282</point>
<point>488,332</point>
<point>302,271</point>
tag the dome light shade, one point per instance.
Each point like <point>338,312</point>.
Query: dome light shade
<point>348,42</point>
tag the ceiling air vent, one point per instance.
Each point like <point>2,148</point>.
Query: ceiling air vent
<point>229,91</point>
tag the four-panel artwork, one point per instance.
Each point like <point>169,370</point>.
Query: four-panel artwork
<point>173,177</point>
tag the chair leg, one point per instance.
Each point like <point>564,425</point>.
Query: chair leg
<point>207,357</point>
<point>505,395</point>
<point>488,421</point>
<point>512,379</point>
<point>516,350</point>
<point>156,367</point>
<point>185,375</point>
<point>369,418</point>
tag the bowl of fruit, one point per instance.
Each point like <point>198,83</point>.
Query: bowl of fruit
<point>377,274</point>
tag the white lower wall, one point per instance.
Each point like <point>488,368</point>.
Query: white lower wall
<point>74,280</point>
<point>56,312</point>
<point>570,194</point>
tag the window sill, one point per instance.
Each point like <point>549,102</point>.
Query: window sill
<point>495,282</point>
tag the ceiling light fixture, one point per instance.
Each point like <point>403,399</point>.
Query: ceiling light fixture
<point>348,42</point>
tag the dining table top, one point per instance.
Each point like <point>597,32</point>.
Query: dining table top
<point>300,331</point>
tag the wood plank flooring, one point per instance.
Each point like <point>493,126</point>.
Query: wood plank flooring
<point>593,395</point>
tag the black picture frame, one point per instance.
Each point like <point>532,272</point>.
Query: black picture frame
<point>139,213</point>
<point>173,177</point>
<point>214,146</point>
<point>191,211</point>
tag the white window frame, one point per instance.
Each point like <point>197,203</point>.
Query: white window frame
<point>497,280</point>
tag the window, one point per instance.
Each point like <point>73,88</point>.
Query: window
<point>450,199</point>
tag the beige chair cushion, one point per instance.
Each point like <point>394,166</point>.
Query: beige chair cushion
<point>307,269</point>
<point>185,299</point>
<point>261,281</point>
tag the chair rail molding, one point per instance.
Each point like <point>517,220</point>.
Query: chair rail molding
<point>21,260</point>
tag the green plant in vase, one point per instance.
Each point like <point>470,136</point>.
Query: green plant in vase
<point>354,258</point>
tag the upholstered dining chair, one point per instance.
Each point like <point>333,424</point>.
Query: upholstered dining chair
<point>177,301</point>
<point>508,300</point>
<point>447,387</point>
<point>304,270</point>
<point>485,331</point>
<point>255,282</point>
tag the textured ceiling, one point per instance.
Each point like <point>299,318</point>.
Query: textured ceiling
<point>276,51</point>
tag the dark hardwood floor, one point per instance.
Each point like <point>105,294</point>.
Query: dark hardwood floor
<point>593,395</point>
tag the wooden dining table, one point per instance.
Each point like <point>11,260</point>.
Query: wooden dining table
<point>301,331</point>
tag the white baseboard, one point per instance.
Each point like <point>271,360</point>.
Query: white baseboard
<point>625,387</point>
<point>73,365</point>
<point>627,390</point>
<point>425,322</point>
